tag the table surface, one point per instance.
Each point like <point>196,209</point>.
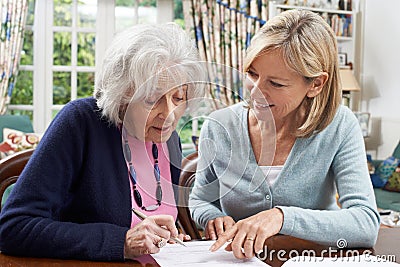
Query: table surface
<point>386,246</point>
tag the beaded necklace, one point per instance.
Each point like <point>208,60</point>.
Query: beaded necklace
<point>132,174</point>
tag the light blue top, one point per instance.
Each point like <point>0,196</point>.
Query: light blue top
<point>331,161</point>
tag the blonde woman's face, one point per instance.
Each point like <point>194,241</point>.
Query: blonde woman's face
<point>274,86</point>
<point>155,118</point>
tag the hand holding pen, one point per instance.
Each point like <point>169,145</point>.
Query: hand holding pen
<point>162,243</point>
<point>148,236</point>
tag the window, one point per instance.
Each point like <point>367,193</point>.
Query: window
<point>63,41</point>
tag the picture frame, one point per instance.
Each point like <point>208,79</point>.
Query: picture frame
<point>364,121</point>
<point>342,59</point>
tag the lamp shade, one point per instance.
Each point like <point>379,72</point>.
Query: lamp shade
<point>349,82</point>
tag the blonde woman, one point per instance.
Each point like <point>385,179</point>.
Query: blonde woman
<point>276,167</point>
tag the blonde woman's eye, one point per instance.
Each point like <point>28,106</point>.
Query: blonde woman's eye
<point>274,84</point>
<point>251,74</point>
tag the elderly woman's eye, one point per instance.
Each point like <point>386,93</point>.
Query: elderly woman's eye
<point>179,98</point>
<point>150,102</point>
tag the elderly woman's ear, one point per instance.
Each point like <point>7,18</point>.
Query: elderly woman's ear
<point>122,111</point>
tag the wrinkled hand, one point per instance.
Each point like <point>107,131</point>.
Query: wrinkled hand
<point>249,235</point>
<point>144,237</point>
<point>217,226</point>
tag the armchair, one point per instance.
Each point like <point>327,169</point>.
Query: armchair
<point>18,122</point>
<point>387,199</point>
<point>10,168</point>
<point>396,154</point>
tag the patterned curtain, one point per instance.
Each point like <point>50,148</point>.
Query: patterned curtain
<point>223,30</point>
<point>12,17</point>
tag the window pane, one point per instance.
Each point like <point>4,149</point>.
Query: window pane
<point>61,88</point>
<point>27,50</point>
<point>54,113</point>
<point>87,14</point>
<point>62,49</point>
<point>185,128</point>
<point>62,12</point>
<point>178,13</point>
<point>125,13</point>
<point>31,12</point>
<point>148,11</point>
<point>85,84</point>
<point>23,90</point>
<point>86,49</point>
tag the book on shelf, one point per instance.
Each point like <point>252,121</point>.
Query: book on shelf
<point>346,100</point>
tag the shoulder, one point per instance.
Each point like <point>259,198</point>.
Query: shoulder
<point>226,121</point>
<point>344,119</point>
<point>229,117</point>
<point>83,105</point>
<point>79,115</point>
<point>80,109</point>
<point>230,112</point>
<point>344,126</point>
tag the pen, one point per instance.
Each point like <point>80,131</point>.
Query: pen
<point>143,216</point>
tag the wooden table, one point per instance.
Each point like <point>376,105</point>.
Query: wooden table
<point>388,244</point>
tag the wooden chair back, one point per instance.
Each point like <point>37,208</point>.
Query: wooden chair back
<point>11,167</point>
<point>186,181</point>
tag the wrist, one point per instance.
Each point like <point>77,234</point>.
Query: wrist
<point>279,216</point>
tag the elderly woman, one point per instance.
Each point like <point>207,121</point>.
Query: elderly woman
<point>276,167</point>
<point>100,157</point>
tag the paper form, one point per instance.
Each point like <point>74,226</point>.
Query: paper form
<point>196,253</point>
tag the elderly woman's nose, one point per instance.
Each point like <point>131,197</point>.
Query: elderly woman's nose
<point>167,109</point>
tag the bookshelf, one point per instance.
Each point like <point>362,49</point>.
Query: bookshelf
<point>346,25</point>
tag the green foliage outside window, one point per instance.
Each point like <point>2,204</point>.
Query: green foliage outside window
<point>62,48</point>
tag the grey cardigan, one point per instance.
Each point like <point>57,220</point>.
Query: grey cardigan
<point>229,181</point>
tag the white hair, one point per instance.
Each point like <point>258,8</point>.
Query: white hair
<point>133,63</point>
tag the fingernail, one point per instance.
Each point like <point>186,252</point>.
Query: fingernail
<point>187,236</point>
<point>212,248</point>
<point>259,252</point>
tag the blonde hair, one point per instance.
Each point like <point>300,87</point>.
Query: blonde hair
<point>309,48</point>
<point>137,58</point>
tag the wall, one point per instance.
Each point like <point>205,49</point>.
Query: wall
<point>380,74</point>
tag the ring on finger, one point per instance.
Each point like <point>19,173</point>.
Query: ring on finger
<point>250,239</point>
<point>161,243</point>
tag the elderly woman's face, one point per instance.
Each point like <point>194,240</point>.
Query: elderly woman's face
<point>155,119</point>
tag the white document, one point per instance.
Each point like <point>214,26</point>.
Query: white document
<point>196,253</point>
<point>356,261</point>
